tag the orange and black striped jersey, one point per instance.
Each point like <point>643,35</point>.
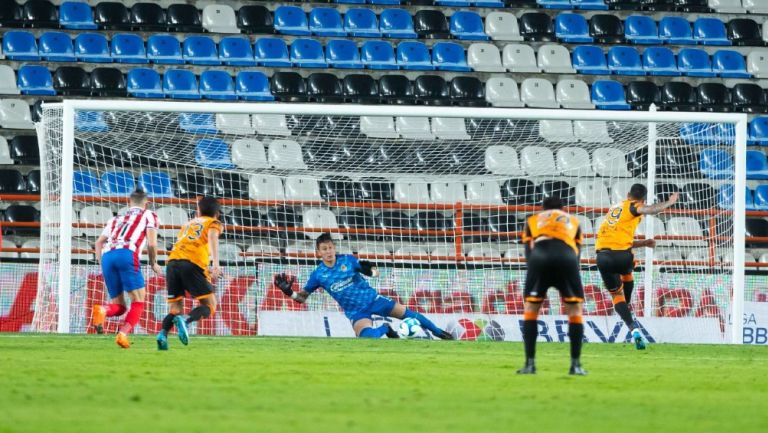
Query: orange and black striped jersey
<point>554,224</point>
<point>192,242</point>
<point>617,231</point>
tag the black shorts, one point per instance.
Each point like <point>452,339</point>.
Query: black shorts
<point>184,276</point>
<point>553,263</point>
<point>615,267</point>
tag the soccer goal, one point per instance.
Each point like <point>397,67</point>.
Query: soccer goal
<point>435,196</point>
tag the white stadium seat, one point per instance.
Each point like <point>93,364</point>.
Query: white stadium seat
<point>484,57</point>
<point>411,191</point>
<point>756,7</point>
<point>5,152</point>
<point>98,215</point>
<point>414,128</point>
<point>372,249</point>
<point>8,81</point>
<point>658,228</point>
<point>502,92</point>
<point>573,161</point>
<point>667,255</point>
<point>171,215</point>
<point>500,159</point>
<point>727,6</point>
<point>239,124</point>
<point>483,250</point>
<point>417,252</point>
<point>573,94</point>
<point>592,193</point>
<point>220,19</point>
<point>558,131</point>
<point>315,218</point>
<point>449,128</point>
<point>537,161</point>
<point>591,131</point>
<point>249,153</point>
<point>514,252</point>
<point>483,192</point>
<point>31,243</point>
<point>14,114</point>
<point>229,252</point>
<point>620,189</point>
<point>502,26</point>
<point>538,93</point>
<point>83,245</point>
<point>442,250</point>
<point>519,58</point>
<point>7,243</point>
<point>686,226</point>
<point>378,127</point>
<point>302,189</point>
<point>554,59</point>
<point>609,162</point>
<point>265,187</point>
<point>263,247</point>
<point>757,63</point>
<point>446,191</point>
<point>270,124</point>
<point>698,255</point>
<point>586,228</point>
<point>300,248</point>
<point>286,154</point>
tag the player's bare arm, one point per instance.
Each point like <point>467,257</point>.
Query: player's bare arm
<point>213,246</point>
<point>99,247</point>
<point>152,251</point>
<point>285,284</point>
<point>656,208</point>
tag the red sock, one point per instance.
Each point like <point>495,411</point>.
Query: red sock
<point>134,314</point>
<point>115,310</point>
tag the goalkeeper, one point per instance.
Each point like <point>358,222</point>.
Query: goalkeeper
<point>340,276</point>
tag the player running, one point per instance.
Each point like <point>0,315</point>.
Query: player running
<point>615,240</point>
<point>340,276</point>
<point>552,247</point>
<point>121,242</point>
<point>187,270</point>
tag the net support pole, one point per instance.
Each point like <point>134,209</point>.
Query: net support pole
<point>739,222</point>
<point>649,229</point>
<point>65,217</point>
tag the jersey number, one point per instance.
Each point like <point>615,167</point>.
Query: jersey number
<point>193,232</point>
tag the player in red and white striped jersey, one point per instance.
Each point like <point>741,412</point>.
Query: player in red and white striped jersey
<point>121,243</point>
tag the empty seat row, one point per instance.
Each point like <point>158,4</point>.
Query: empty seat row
<point>13,182</point>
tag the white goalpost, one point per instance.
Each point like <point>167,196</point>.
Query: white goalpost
<point>436,196</point>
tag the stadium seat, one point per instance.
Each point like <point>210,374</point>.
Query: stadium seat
<point>193,185</point>
<point>236,123</point>
<point>144,83</point>
<point>756,227</point>
<point>556,131</point>
<point>710,31</point>
<point>590,4</point>
<point>625,61</point>
<point>39,13</point>
<point>171,215</point>
<point>572,29</point>
<point>641,94</point>
<point>755,6</point>
<point>554,59</point>
<point>10,14</point>
<point>692,6</point>
<point>271,124</point>
<point>92,47</point>
<point>555,4</point>
<point>197,123</point>
<point>484,57</point>
<point>502,26</point>
<point>164,49</point>
<point>757,165</point>
<point>156,183</point>
<point>467,92</point>
<point>449,128</point>
<point>414,128</point>
<point>396,23</point>
<point>591,131</point>
<point>90,121</point>
<point>326,22</point>
<point>219,19</point>
<point>538,93</point>
<point>729,64</point>
<point>503,160</point>
<point>519,58</point>
<point>271,52</point>
<point>606,29</point>
<point>291,20</point>
<point>660,61</point>
<point>183,18</point>
<point>676,30</point>
<point>324,87</point>
<point>213,153</point>
<point>609,162</point>
<point>694,63</point>
<point>518,192</point>
<point>236,51</point>
<point>71,80</point>
<point>698,195</point>
<point>5,153</point>
<point>255,19</point>
<point>699,133</point>
<point>85,183</point>
<point>396,89</point>
<point>148,17</point>
<point>502,92</point>
<point>557,188</point>
<point>714,97</point>
<point>180,84</point>
<point>8,81</point>
<point>537,161</point>
<point>15,114</point>
<point>56,47</point>
<point>446,191</point>
<point>12,182</point>
<point>678,96</point>
<point>307,53</point>
<point>24,150</point>
<point>573,94</point>
<point>302,189</point>
<point>592,193</point>
<point>200,50</point>
<point>688,227</point>
<point>757,63</point>
<point>253,86</point>
<point>431,90</point>
<point>265,187</point>
<point>761,198</point>
<point>483,192</point>
<point>641,30</point>
<point>727,6</point>
<point>35,80</point>
<point>19,45</point>
<point>749,98</point>
<point>744,31</point>
<point>467,25</point>
<point>343,53</point>
<point>320,218</point>
<point>573,161</point>
<point>758,131</point>
<point>111,16</point>
<point>716,164</point>
<point>609,95</point>
<point>217,85</point>
<point>128,48</point>
<point>537,26</point>
<point>431,24</point>
<point>117,183</point>
<point>361,23</point>
<point>285,154</point>
<point>377,126</point>
<point>76,15</point>
<point>248,153</point>
<point>378,55</point>
<point>411,191</point>
<point>288,86</point>
<point>590,59</point>
<point>414,55</point>
<point>99,216</point>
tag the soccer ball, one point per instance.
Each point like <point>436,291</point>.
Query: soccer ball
<point>408,328</point>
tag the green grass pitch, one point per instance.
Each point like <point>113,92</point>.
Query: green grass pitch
<point>87,384</point>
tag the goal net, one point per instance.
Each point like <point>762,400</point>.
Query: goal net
<point>435,196</point>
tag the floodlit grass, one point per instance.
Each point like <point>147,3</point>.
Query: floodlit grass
<point>87,384</point>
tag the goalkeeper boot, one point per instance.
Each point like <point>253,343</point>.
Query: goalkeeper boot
<point>529,368</point>
<point>98,316</point>
<point>391,333</point>
<point>576,369</point>
<point>181,328</point>
<point>122,340</point>
<point>637,336</point>
<point>445,335</point>
<point>162,341</point>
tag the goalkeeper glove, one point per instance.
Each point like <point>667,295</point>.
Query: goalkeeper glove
<point>285,284</point>
<point>368,269</point>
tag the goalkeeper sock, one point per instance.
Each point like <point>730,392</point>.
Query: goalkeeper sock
<point>530,334</point>
<point>134,314</point>
<point>425,323</point>
<point>621,307</point>
<point>199,312</point>
<point>576,335</point>
<point>168,323</point>
<point>115,310</point>
<point>374,332</point>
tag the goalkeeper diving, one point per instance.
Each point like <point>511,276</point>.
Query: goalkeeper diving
<point>339,275</point>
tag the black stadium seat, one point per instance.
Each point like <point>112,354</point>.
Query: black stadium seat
<point>193,185</point>
<point>658,5</point>
<point>112,15</point>
<point>678,96</point>
<point>744,31</point>
<point>288,86</point>
<point>243,217</point>
<point>467,91</point>
<point>434,220</point>
<point>516,192</point>
<point>606,29</point>
<point>39,13</point>
<point>623,4</point>
<point>431,90</point>
<point>558,188</point>
<point>24,150</point>
<point>394,220</point>
<point>71,80</point>
<point>230,185</point>
<point>10,13</point>
<point>637,162</point>
<point>396,89</point>
<point>22,214</point>
<point>324,87</point>
<point>692,5</point>
<point>34,183</point>
<point>431,24</point>
<point>641,94</point>
<point>255,19</point>
<point>475,222</point>
<point>662,191</point>
<point>755,227</point>
<point>183,18</point>
<point>282,217</point>
<point>337,188</point>
<point>11,182</point>
<point>374,189</point>
<point>536,26</point>
<point>698,196</point>
<point>504,223</point>
<point>148,17</point>
<point>360,89</point>
<point>748,98</point>
<point>108,82</point>
<point>357,219</point>
<point>677,162</point>
<point>714,97</point>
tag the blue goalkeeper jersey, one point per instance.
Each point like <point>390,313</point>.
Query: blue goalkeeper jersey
<point>344,283</point>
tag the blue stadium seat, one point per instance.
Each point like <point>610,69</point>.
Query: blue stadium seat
<point>361,23</point>
<point>180,84</point>
<point>213,153</point>
<point>729,64</point>
<point>92,47</point>
<point>18,45</point>
<point>555,4</point>
<point>156,183</point>
<point>164,49</point>
<point>467,25</point>
<point>572,28</point>
<point>200,50</point>
<point>56,47</point>
<point>307,53</point>
<point>34,80</point>
<point>641,29</point>
<point>378,55</point>
<point>271,52</point>
<point>128,48</point>
<point>414,55</point>
<point>395,23</point>
<point>236,51</point>
<point>384,2</point>
<point>456,3</point>
<point>253,86</point>
<point>716,164</point>
<point>757,165</point>
<point>449,56</point>
<point>117,183</point>
<point>291,20</point>
<point>590,59</point>
<point>625,61</point>
<point>710,31</point>
<point>761,197</point>
<point>90,121</point>
<point>197,123</point>
<point>353,2</point>
<point>660,61</point>
<point>326,22</point>
<point>694,63</point>
<point>85,183</point>
<point>76,15</point>
<point>758,131</point>
<point>726,134</point>
<point>609,95</point>
<point>725,197</point>
<point>217,85</point>
<point>699,133</point>
<point>489,3</point>
<point>144,83</point>
<point>342,53</point>
<point>675,30</point>
<point>598,5</point>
